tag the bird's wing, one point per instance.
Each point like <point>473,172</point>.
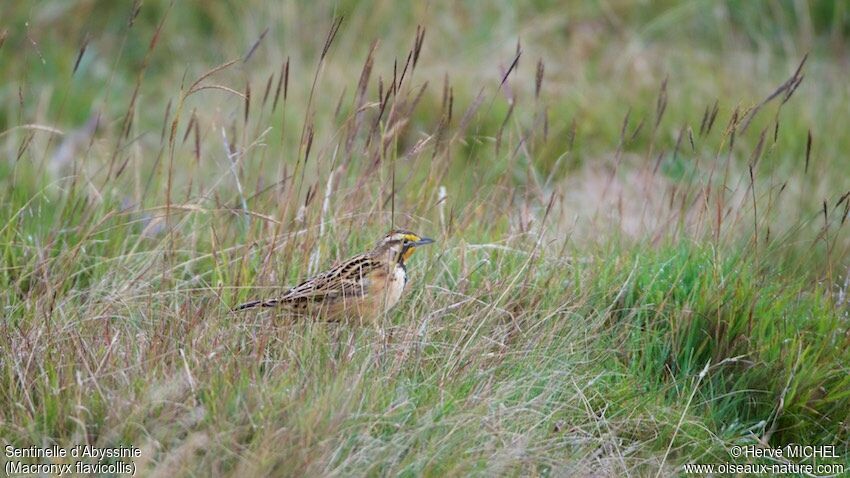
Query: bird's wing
<point>347,280</point>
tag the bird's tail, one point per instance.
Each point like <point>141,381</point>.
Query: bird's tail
<point>256,303</point>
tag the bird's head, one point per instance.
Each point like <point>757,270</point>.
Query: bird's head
<point>401,244</point>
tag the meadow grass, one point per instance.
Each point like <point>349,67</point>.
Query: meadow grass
<point>641,258</point>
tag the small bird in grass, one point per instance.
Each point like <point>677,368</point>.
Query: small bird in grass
<point>360,288</point>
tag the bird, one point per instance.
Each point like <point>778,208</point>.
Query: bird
<point>361,288</point>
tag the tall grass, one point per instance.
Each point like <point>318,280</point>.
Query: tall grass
<point>641,259</point>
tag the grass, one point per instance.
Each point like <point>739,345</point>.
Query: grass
<point>640,262</point>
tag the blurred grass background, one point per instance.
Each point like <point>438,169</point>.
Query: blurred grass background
<point>637,265</point>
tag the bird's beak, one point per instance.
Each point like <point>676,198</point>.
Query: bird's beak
<point>423,241</point>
